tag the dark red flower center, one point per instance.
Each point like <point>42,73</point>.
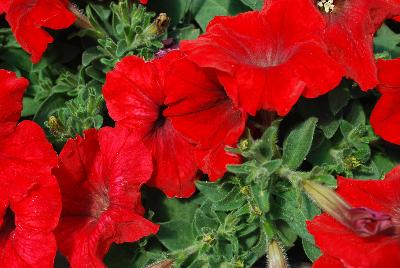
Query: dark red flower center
<point>100,204</point>
<point>161,118</point>
<point>8,225</point>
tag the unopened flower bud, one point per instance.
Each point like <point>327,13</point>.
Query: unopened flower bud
<point>363,221</point>
<point>276,257</point>
<point>159,25</point>
<point>327,199</point>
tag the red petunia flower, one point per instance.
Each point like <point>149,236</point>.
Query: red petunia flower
<point>175,106</point>
<point>30,201</point>
<point>135,98</point>
<point>203,112</point>
<point>100,177</point>
<point>267,60</point>
<point>385,118</point>
<point>28,17</point>
<point>382,247</point>
<point>349,33</point>
<point>144,2</point>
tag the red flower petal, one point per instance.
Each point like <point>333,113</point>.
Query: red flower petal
<point>349,35</point>
<point>327,262</point>
<point>27,17</point>
<point>213,161</point>
<point>27,158</point>
<point>338,241</point>
<point>385,118</point>
<point>135,98</point>
<point>4,6</point>
<point>12,90</point>
<point>108,167</point>
<point>270,64</point>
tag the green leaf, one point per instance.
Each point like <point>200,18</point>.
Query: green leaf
<point>298,143</point>
<point>176,234</point>
<point>338,99</point>
<point>233,200</point>
<point>383,163</point>
<point>203,221</point>
<point>329,128</point>
<point>206,10</point>
<point>30,106</point>
<point>189,32</point>
<point>52,103</point>
<point>295,208</point>
<point>311,250</point>
<point>261,196</point>
<point>90,55</point>
<point>387,41</point>
<point>356,116</point>
<point>253,4</point>
<point>212,191</point>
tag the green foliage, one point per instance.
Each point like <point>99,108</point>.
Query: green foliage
<point>294,151</point>
<point>228,223</point>
<point>121,30</point>
<point>206,10</point>
<point>386,43</point>
<point>253,4</point>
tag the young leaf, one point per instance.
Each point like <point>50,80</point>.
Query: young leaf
<point>298,143</point>
<point>208,9</point>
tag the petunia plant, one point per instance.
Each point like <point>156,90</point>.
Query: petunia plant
<point>212,133</point>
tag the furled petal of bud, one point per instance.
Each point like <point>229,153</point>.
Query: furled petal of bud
<point>327,200</point>
<point>366,222</point>
<point>276,257</point>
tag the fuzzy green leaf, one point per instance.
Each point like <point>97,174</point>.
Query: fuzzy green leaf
<point>311,250</point>
<point>253,4</point>
<point>206,10</point>
<point>298,143</point>
<point>176,234</point>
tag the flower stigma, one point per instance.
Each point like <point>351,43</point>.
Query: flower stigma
<point>326,5</point>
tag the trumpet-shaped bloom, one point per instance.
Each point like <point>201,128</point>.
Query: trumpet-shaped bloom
<point>100,176</point>
<point>267,60</point>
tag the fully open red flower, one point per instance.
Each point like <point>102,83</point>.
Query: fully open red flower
<point>349,33</point>
<point>267,60</point>
<point>30,201</point>
<point>28,17</point>
<point>183,115</point>
<point>200,109</point>
<point>136,99</point>
<point>385,118</point>
<point>342,245</point>
<point>100,177</point>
